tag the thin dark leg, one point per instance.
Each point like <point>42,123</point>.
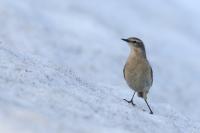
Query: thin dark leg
<point>131,101</point>
<point>151,112</point>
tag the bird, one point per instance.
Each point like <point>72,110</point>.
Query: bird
<point>137,71</point>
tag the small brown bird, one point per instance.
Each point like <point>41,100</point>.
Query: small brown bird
<point>137,70</point>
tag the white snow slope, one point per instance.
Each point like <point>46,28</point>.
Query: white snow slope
<point>61,65</point>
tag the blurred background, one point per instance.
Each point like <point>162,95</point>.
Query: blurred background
<point>84,38</point>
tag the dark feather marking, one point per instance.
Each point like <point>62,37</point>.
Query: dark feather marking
<point>124,71</point>
<point>151,76</point>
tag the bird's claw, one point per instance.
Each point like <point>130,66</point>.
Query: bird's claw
<point>131,101</point>
<point>151,112</point>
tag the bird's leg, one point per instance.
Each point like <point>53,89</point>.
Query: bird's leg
<point>131,101</point>
<point>151,112</point>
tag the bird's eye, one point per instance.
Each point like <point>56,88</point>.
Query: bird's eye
<point>134,41</point>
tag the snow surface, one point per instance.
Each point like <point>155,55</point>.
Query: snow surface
<point>61,66</point>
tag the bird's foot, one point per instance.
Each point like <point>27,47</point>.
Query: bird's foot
<point>151,112</point>
<point>131,101</point>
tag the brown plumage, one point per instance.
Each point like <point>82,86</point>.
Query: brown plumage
<point>137,70</point>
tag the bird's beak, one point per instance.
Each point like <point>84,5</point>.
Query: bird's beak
<point>126,40</point>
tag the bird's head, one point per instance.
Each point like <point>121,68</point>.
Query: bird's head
<point>136,44</point>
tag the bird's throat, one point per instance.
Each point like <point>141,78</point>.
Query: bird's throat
<point>138,52</point>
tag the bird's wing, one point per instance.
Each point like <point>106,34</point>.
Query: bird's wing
<point>124,71</point>
<point>151,76</point>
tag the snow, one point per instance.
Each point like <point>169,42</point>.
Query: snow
<point>61,66</point>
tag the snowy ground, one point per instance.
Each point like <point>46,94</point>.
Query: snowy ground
<point>61,66</point>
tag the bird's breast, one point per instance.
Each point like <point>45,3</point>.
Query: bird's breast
<point>137,73</point>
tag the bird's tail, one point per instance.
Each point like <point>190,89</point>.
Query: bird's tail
<point>142,95</point>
